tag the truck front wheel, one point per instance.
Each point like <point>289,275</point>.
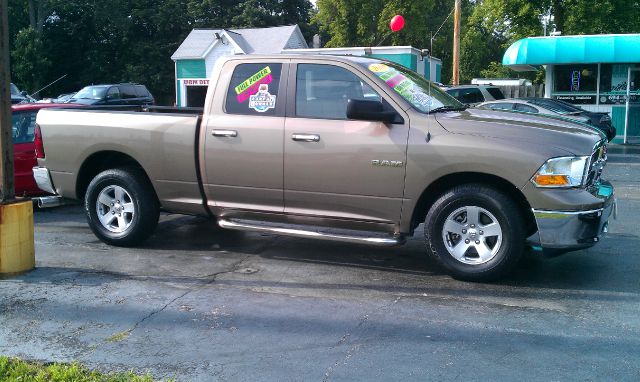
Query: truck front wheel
<point>121,207</point>
<point>475,232</point>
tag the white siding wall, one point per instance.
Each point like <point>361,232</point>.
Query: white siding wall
<point>295,42</point>
<point>598,109</point>
<point>421,64</point>
<point>219,50</point>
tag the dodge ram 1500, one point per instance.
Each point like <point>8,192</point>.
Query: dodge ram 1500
<point>342,148</point>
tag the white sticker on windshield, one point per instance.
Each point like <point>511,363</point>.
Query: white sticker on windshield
<point>262,100</point>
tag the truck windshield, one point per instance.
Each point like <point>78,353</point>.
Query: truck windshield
<point>91,92</point>
<point>422,94</point>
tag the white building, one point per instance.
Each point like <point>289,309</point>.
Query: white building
<point>198,53</point>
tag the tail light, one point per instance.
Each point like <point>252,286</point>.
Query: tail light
<point>38,143</point>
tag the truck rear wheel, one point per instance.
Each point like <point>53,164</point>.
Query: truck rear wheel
<point>475,232</point>
<point>121,207</point>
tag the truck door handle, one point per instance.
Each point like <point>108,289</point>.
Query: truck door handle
<point>305,137</point>
<point>224,133</point>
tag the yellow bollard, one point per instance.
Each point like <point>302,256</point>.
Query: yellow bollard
<point>17,253</point>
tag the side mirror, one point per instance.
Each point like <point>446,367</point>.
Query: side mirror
<point>368,110</point>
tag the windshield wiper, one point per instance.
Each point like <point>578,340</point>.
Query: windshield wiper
<point>447,108</point>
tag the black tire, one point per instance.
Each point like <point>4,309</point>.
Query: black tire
<point>139,195</point>
<point>501,260</point>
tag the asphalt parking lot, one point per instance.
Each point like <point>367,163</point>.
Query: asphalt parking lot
<point>200,304</point>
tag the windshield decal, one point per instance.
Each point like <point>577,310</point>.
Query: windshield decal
<point>262,100</point>
<point>251,85</point>
<point>404,86</point>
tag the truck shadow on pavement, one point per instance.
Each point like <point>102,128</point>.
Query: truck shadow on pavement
<point>193,245</point>
<point>598,268</point>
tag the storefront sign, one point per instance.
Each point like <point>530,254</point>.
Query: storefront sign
<point>577,99</point>
<point>618,99</point>
<point>575,81</point>
<point>196,82</point>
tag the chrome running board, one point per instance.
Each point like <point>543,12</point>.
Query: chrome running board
<point>244,226</point>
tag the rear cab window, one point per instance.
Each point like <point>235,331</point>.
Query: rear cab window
<point>254,89</point>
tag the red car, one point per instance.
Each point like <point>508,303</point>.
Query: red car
<point>24,148</point>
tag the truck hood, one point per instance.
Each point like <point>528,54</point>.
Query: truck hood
<point>572,137</point>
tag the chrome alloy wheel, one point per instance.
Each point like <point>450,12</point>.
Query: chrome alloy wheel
<point>472,235</point>
<point>115,209</point>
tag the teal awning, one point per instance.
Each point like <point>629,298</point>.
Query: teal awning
<point>589,49</point>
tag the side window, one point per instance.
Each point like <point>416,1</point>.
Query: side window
<point>472,95</point>
<point>141,91</point>
<point>253,89</point>
<point>23,125</point>
<point>500,106</point>
<point>496,93</point>
<point>128,91</point>
<point>322,91</point>
<point>113,93</point>
<point>526,108</point>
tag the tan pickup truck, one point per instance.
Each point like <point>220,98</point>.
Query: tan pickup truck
<point>341,148</point>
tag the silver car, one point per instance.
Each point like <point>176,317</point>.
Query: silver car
<point>556,108</point>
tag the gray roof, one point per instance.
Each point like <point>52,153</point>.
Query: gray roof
<point>251,40</point>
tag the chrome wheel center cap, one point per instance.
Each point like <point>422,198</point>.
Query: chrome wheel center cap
<point>472,233</point>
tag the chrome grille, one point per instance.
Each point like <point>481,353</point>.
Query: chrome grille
<point>597,162</point>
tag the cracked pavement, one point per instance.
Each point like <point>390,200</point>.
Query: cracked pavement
<point>199,304</point>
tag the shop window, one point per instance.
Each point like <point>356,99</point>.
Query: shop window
<point>613,84</point>
<point>253,89</point>
<point>575,78</point>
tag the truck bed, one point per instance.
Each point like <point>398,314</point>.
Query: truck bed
<point>162,141</point>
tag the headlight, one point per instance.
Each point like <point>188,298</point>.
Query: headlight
<point>561,172</point>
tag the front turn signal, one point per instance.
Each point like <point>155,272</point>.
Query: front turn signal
<point>551,180</point>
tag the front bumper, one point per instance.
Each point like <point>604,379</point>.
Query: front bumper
<point>565,231</point>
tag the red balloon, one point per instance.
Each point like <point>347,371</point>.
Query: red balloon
<point>397,23</point>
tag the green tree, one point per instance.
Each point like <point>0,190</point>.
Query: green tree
<point>366,23</point>
<point>27,60</point>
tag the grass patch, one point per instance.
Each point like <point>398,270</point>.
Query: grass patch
<point>14,370</point>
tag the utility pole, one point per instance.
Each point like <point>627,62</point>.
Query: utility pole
<point>7,188</point>
<point>456,42</point>
<point>17,250</point>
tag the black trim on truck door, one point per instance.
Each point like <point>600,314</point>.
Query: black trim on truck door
<point>196,157</point>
